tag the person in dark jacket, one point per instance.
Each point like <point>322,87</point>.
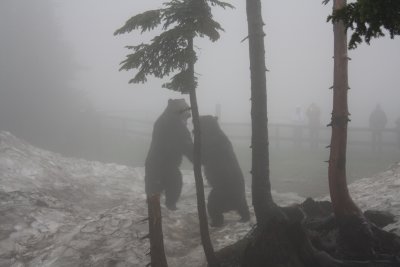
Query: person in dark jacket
<point>377,123</point>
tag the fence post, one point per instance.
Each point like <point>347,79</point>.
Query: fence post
<point>277,136</point>
<point>218,111</point>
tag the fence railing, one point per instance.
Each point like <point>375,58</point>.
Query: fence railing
<point>280,134</point>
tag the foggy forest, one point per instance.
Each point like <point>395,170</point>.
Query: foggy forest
<point>199,133</point>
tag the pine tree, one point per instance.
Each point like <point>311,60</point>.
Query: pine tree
<point>172,52</point>
<point>354,230</point>
<point>368,19</point>
<point>261,186</point>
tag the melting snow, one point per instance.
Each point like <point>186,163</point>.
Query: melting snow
<point>57,211</point>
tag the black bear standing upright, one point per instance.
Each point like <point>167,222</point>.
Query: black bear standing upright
<point>223,173</point>
<point>170,141</point>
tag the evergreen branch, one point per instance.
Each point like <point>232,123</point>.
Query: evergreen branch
<point>368,18</point>
<point>145,21</point>
<point>181,20</point>
<point>167,53</point>
<point>181,82</point>
<point>220,4</point>
<point>194,15</point>
<point>209,29</point>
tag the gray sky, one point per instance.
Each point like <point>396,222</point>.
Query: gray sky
<point>299,49</point>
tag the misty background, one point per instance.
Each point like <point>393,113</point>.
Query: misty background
<point>299,49</point>
<point>60,87</point>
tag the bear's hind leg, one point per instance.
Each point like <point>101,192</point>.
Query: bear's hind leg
<point>215,211</point>
<point>243,210</point>
<point>173,189</point>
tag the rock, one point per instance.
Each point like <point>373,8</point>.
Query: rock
<point>314,208</point>
<point>379,218</point>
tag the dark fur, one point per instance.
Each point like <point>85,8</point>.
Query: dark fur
<point>223,173</point>
<point>170,141</point>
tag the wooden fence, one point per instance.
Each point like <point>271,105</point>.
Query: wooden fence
<point>280,134</point>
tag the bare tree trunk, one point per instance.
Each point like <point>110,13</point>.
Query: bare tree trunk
<point>355,233</point>
<point>157,253</point>
<point>261,187</point>
<point>341,200</point>
<point>201,206</point>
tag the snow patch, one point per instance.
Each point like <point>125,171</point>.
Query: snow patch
<point>58,211</point>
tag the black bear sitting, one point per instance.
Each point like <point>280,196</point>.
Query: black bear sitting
<point>171,140</point>
<point>223,173</point>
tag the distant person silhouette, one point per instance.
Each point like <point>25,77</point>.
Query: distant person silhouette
<point>298,123</point>
<point>313,114</point>
<point>377,123</point>
<point>397,128</point>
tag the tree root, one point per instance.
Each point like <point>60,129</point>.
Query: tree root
<point>315,239</point>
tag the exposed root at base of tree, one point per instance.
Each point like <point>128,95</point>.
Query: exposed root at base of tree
<point>310,236</point>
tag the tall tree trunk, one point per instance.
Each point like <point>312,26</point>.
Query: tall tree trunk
<point>201,206</point>
<point>261,186</point>
<point>341,200</point>
<point>157,253</point>
<point>355,234</point>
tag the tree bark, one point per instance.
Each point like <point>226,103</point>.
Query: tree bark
<point>261,187</point>
<point>201,206</point>
<point>157,253</point>
<point>341,200</point>
<point>355,235</point>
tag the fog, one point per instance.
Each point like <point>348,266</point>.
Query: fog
<point>61,90</point>
<point>68,48</point>
<point>299,49</point>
